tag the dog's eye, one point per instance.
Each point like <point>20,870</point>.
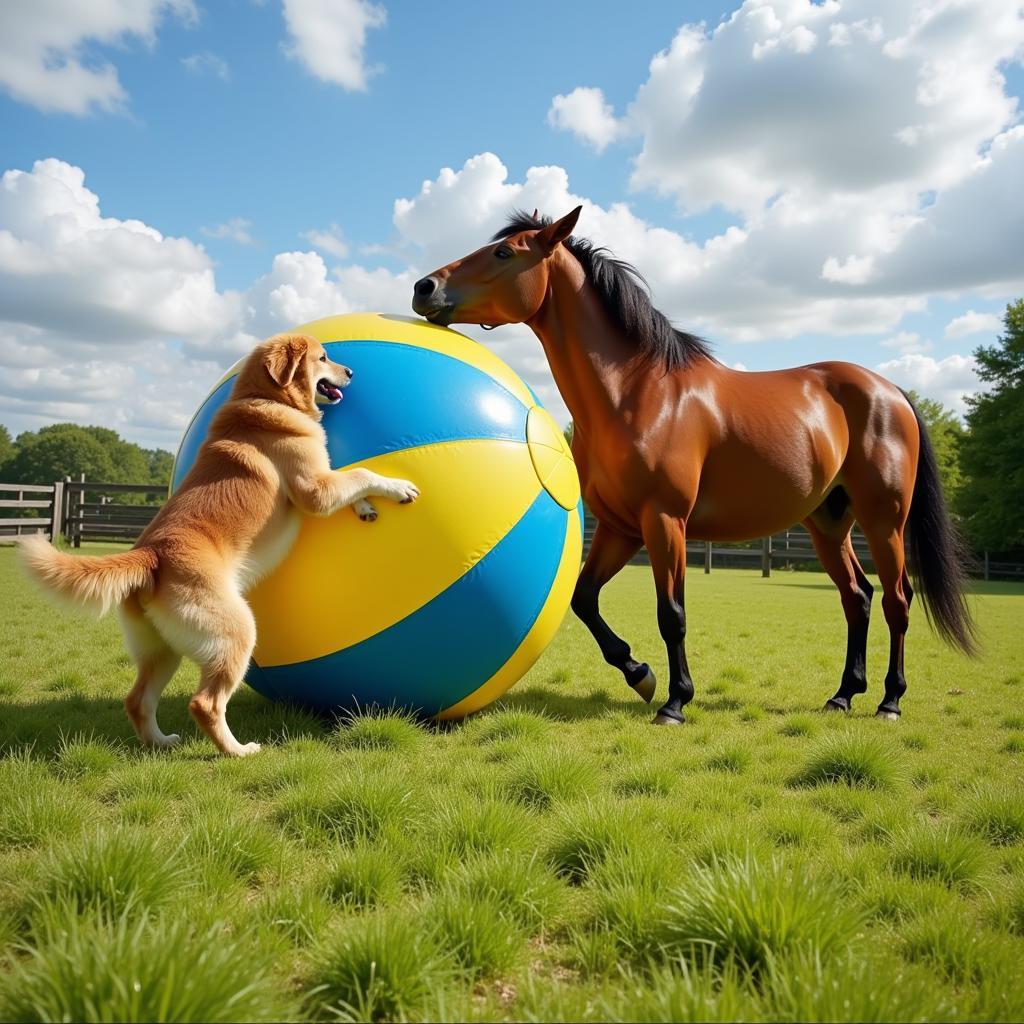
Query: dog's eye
<point>323,359</point>
<point>503,253</point>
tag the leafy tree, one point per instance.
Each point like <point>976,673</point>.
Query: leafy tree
<point>160,464</point>
<point>63,449</point>
<point>946,433</point>
<point>6,447</point>
<point>992,453</point>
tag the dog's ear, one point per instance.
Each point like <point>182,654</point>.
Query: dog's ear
<point>284,359</point>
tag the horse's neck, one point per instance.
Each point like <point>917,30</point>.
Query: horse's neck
<point>589,359</point>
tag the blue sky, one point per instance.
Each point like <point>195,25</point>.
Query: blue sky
<point>749,172</point>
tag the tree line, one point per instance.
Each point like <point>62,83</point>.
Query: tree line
<point>67,449</point>
<point>981,459</point>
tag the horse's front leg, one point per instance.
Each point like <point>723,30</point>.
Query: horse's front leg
<point>665,537</point>
<point>609,552</point>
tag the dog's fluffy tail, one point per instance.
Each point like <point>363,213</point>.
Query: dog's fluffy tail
<point>96,582</point>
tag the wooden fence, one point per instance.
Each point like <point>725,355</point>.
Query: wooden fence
<point>81,510</point>
<point>31,508</point>
<point>789,550</point>
<point>78,510</point>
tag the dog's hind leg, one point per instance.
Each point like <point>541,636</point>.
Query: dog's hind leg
<point>223,658</point>
<point>156,664</point>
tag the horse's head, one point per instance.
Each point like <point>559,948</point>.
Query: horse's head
<point>505,282</point>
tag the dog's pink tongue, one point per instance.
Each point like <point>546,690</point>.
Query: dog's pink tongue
<point>334,394</point>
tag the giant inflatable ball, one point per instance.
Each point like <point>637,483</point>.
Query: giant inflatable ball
<point>439,606</point>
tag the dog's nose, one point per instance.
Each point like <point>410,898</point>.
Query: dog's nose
<point>348,372</point>
<point>424,287</point>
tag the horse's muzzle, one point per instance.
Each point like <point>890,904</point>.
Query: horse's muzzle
<point>429,300</point>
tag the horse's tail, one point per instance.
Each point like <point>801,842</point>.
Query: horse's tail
<point>938,555</point>
<point>96,582</point>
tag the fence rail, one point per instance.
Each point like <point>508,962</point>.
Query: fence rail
<point>78,510</point>
<point>84,510</point>
<point>105,519</point>
<point>789,549</point>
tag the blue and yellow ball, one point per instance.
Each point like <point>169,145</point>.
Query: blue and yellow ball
<point>439,606</point>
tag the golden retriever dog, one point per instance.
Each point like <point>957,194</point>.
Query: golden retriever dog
<point>180,590</point>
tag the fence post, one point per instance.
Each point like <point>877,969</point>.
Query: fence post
<point>56,510</point>
<point>707,556</point>
<point>79,512</point>
<point>65,525</point>
<point>766,557</point>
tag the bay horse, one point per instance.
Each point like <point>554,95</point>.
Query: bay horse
<point>671,444</point>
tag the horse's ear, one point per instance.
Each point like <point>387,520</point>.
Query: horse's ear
<point>549,237</point>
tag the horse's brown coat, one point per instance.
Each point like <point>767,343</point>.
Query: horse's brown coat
<point>700,450</point>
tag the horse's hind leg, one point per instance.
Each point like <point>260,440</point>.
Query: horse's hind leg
<point>665,537</point>
<point>838,559</point>
<point>609,552</point>
<point>890,564</point>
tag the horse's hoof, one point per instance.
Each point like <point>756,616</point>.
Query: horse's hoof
<point>833,705</point>
<point>647,686</point>
<point>662,719</point>
<point>889,716</point>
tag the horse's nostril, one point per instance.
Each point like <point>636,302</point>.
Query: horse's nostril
<point>424,288</point>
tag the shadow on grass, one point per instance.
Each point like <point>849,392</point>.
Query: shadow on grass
<point>569,707</point>
<point>45,724</point>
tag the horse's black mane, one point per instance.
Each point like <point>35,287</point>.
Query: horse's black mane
<point>624,294</point>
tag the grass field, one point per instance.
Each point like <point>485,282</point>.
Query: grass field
<point>553,858</point>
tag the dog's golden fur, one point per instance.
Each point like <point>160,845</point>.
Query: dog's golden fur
<point>180,590</point>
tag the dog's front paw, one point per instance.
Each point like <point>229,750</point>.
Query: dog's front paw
<point>404,491</point>
<point>365,511</point>
<point>246,750</point>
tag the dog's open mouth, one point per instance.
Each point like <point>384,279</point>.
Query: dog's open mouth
<point>329,390</point>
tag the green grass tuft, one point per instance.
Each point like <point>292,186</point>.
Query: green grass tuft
<point>380,729</point>
<point>44,811</point>
<point>85,969</point>
<point>222,842</point>
<point>521,887</point>
<point>852,759</point>
<point>82,755</point>
<point>299,913</point>
<point>538,779</point>
<point>116,873</point>
<point>750,911</point>
<point>732,759</point>
<point>365,876</point>
<point>996,813</point>
<point>479,937</point>
<point>513,724</point>
<point>922,850</point>
<point>465,824</point>
<point>363,805</point>
<point>381,967</point>
<point>585,833</point>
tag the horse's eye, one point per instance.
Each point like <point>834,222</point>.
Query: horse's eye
<point>503,253</point>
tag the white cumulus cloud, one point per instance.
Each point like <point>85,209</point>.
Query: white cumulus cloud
<point>207,63</point>
<point>946,380</point>
<point>329,240</point>
<point>47,48</point>
<point>899,102</point>
<point>973,323</point>
<point>586,114</point>
<point>236,229</point>
<point>329,38</point>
